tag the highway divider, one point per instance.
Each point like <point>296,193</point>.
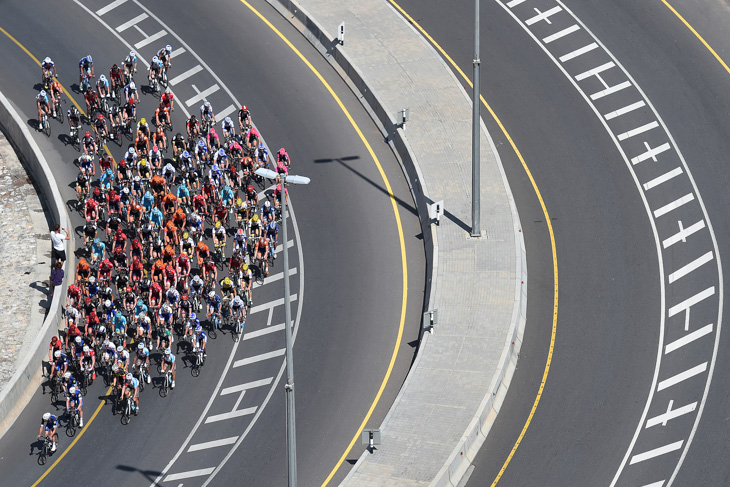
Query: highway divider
<point>18,392</point>
<point>464,452</point>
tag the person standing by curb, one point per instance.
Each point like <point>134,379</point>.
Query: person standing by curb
<point>59,245</point>
<point>56,275</point>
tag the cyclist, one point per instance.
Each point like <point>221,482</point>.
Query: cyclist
<point>272,234</point>
<point>229,130</point>
<point>59,364</point>
<point>238,309</point>
<point>159,139</point>
<point>221,158</point>
<point>86,67</point>
<point>130,64</point>
<point>241,210</point>
<point>214,304</point>
<point>168,361</point>
<point>44,106</point>
<point>92,102</point>
<point>165,56</point>
<point>196,286</point>
<point>55,91</point>
<point>219,237</point>
<point>102,86</point>
<point>162,116</point>
<point>244,118</point>
<point>76,401</point>
<point>203,252</point>
<point>200,340</point>
<point>100,127</point>
<point>253,138</point>
<point>262,253</point>
<point>268,213</point>
<point>49,423</point>
<point>143,358</point>
<point>254,227</point>
<point>87,359</point>
<point>48,70</point>
<point>262,156</point>
<point>206,113</point>
<point>201,152</point>
<point>97,250</point>
<point>82,187</point>
<point>178,145</point>
<point>115,116</point>
<point>167,100</point>
<point>131,389</point>
<point>74,120</point>
<point>155,69</point>
<point>193,127</point>
<point>283,156</point>
<point>214,142</point>
<point>131,94</point>
<point>115,75</point>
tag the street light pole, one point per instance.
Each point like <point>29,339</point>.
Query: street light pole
<point>475,152</point>
<point>291,430</point>
<point>291,433</point>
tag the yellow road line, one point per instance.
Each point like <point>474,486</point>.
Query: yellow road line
<point>81,433</point>
<point>68,95</point>
<point>550,231</point>
<point>702,40</point>
<point>404,264</point>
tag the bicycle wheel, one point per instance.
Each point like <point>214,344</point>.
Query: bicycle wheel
<point>59,113</point>
<point>47,128</point>
<point>195,370</point>
<point>54,397</point>
<point>70,429</point>
<point>165,387</point>
<point>43,454</point>
<point>125,417</point>
<point>212,333</point>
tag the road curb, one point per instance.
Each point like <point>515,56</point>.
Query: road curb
<point>19,390</point>
<point>466,449</point>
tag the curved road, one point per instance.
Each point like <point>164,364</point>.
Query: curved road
<point>613,324</point>
<point>349,243</point>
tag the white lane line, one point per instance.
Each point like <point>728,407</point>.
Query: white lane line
<point>682,376</point>
<point>656,452</point>
<point>610,90</point>
<point>233,414</point>
<point>130,23</point>
<point>185,75</point>
<point>625,110</point>
<point>651,153</point>
<point>689,302</point>
<point>674,205</point>
<point>578,52</point>
<point>225,112</point>
<point>212,444</point>
<point>263,331</point>
<point>638,130</point>
<point>246,386</point>
<point>543,15</point>
<point>514,3</point>
<point>663,178</point>
<point>683,233</point>
<point>150,39</point>
<point>270,304</point>
<point>689,338</point>
<point>559,34</point>
<point>678,274</point>
<point>671,414</point>
<point>655,484</point>
<point>259,358</point>
<point>202,94</point>
<point>188,474</point>
<point>109,7</point>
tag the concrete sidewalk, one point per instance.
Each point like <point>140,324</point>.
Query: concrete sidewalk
<point>478,285</point>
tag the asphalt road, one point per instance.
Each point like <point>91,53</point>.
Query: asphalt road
<point>611,310</point>
<point>346,232</point>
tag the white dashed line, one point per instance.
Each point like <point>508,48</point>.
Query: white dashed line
<point>212,444</point>
<point>689,338</point>
<point>663,450</point>
<point>671,414</point>
<point>188,474</point>
<point>559,34</point>
<point>259,358</point>
<point>625,110</point>
<point>185,75</point>
<point>132,22</point>
<point>681,377</point>
<point>680,273</point>
<point>674,205</point>
<point>109,7</point>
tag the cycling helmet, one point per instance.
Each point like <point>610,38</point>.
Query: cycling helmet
<point>57,354</point>
<point>120,349</point>
<point>255,218</point>
<point>207,104</point>
<point>185,235</point>
<point>72,390</point>
<point>222,152</point>
<point>211,294</point>
<point>228,120</point>
<point>129,376</point>
<point>43,92</point>
<point>212,130</point>
<point>115,67</point>
<point>168,48</point>
<point>198,329</point>
<point>197,321</point>
<point>245,267</point>
<point>125,191</point>
<point>132,151</point>
<point>143,121</point>
<point>155,148</point>
<point>186,154</point>
<point>168,351</point>
<point>132,54</point>
<point>267,205</point>
<point>184,297</point>
<point>88,58</point>
<point>168,91</point>
<point>87,134</point>
<point>108,303</point>
<point>102,78</point>
<point>244,108</point>
<point>67,375</point>
<point>193,316</point>
<point>115,368</point>
<point>86,349</point>
<point>166,308</point>
<point>46,416</point>
<point>132,86</point>
<point>240,231</point>
<point>47,60</point>
<point>137,179</point>
<point>155,59</point>
<point>78,340</point>
<point>92,279</point>
<point>201,143</point>
<point>250,188</point>
<point>217,224</point>
<point>261,146</point>
<point>102,329</point>
<point>100,117</point>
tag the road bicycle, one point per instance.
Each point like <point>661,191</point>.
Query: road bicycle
<point>166,383</point>
<point>44,126</point>
<point>72,421</point>
<point>237,328</point>
<point>198,361</point>
<point>56,388</point>
<point>127,410</point>
<point>46,447</point>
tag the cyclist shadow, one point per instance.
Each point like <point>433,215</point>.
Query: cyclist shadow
<point>34,124</point>
<point>65,139</point>
<point>38,87</point>
<point>36,447</point>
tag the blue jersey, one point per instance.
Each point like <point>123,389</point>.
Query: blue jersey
<point>201,337</point>
<point>133,383</point>
<point>143,354</point>
<point>86,61</point>
<point>170,359</point>
<point>77,398</point>
<point>51,423</point>
<point>215,302</point>
<point>140,309</point>
<point>61,361</point>
<point>42,99</point>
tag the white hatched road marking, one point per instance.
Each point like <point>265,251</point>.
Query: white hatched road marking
<point>185,75</point>
<point>149,39</point>
<point>559,34</point>
<point>264,331</point>
<point>650,153</point>
<point>259,358</point>
<point>188,474</point>
<point>664,418</point>
<point>246,386</point>
<point>683,233</point>
<point>595,71</point>
<point>109,7</point>
<point>682,376</point>
<point>655,484</point>
<point>237,413</point>
<point>212,444</point>
<point>201,95</point>
<point>514,3</point>
<point>689,302</point>
<point>270,304</point>
<point>663,450</point>
<point>638,130</point>
<point>225,112</point>
<point>578,52</point>
<point>543,15</point>
<point>680,273</point>
<point>674,205</point>
<point>689,338</point>
<point>132,22</point>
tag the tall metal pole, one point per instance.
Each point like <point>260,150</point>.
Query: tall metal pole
<point>291,434</point>
<point>475,158</point>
